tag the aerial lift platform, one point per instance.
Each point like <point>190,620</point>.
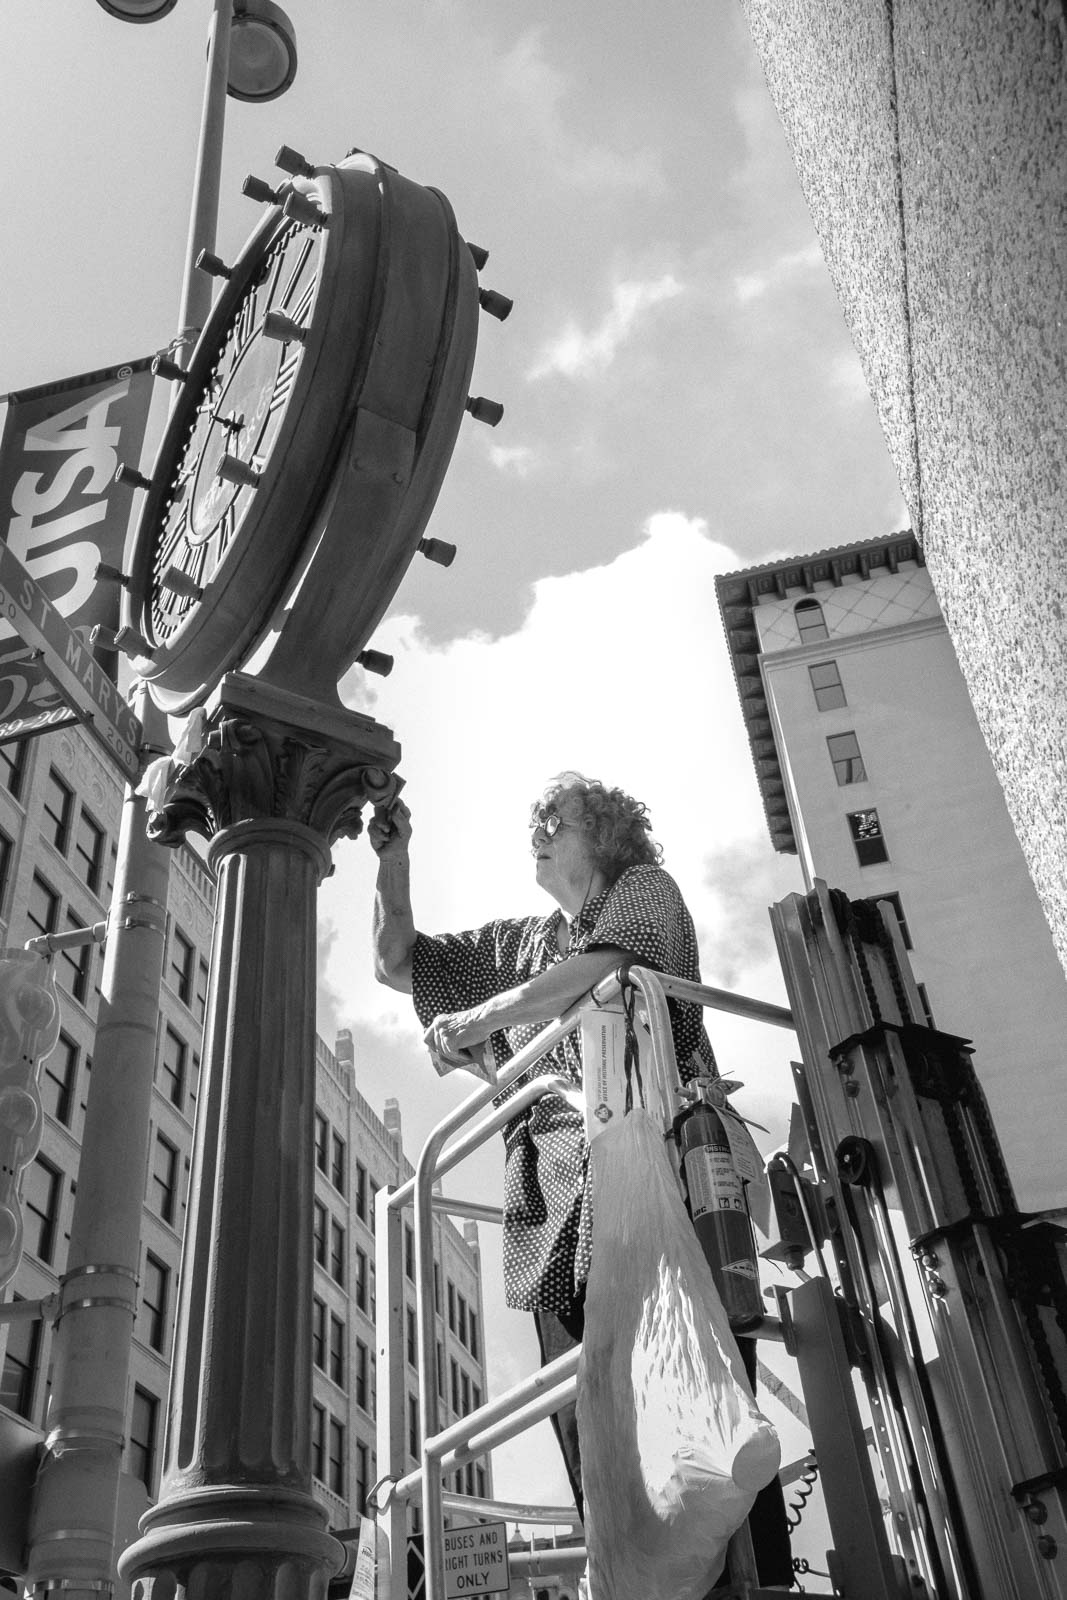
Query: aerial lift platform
<point>930,1334</point>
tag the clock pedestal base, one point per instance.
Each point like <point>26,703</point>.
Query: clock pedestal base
<point>236,1516</point>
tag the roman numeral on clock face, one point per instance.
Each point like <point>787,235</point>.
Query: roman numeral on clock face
<point>173,537</point>
<point>247,318</point>
<point>283,383</point>
<point>227,527</point>
<point>302,259</point>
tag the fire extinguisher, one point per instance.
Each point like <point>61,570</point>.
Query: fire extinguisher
<point>716,1202</point>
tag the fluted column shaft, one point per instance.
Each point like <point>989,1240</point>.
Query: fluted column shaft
<point>236,1516</point>
<point>245,1307</point>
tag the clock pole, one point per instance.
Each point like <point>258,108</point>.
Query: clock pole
<point>75,1497</point>
<point>278,780</point>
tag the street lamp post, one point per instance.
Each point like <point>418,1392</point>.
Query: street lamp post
<point>251,53</point>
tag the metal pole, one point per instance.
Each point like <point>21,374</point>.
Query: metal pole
<point>72,1529</point>
<point>203,216</point>
<point>72,1526</point>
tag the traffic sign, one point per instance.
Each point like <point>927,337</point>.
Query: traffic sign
<point>476,1560</point>
<point>67,659</point>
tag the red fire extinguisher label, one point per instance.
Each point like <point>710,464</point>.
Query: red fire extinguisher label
<point>712,1181</point>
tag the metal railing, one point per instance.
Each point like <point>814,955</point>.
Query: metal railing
<point>552,1386</point>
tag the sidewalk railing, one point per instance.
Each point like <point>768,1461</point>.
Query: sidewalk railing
<point>551,1387</point>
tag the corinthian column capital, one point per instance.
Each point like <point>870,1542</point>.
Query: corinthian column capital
<point>272,757</point>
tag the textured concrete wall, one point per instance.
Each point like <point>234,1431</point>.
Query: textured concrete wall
<point>929,136</point>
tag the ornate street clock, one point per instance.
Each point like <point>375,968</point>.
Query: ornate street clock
<point>310,438</point>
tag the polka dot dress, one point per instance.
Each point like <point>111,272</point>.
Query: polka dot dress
<point>546,1211</point>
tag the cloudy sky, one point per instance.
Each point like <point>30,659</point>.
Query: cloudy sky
<point>681,398</point>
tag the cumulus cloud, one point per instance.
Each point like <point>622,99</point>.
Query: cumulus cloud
<point>751,286</point>
<point>577,353</point>
<point>520,460</point>
<point>620,671</point>
<point>533,92</point>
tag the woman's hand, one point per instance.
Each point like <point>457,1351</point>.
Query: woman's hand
<point>389,831</point>
<point>454,1031</point>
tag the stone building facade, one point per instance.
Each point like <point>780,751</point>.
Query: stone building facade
<point>874,772</point>
<point>59,815</point>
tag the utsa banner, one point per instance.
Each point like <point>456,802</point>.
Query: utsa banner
<point>61,513</point>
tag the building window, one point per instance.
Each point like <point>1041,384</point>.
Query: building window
<point>42,907</point>
<point>337,1252</point>
<point>362,1478</point>
<point>318,1441</point>
<point>144,1427</point>
<point>154,1295</point>
<point>455,1384</point>
<point>461,1319</point>
<point>41,1188</point>
<point>413,1426</point>
<point>826,685</point>
<point>73,966</point>
<point>13,766</point>
<point>172,1060</point>
<point>412,1341</point>
<point>200,1001</point>
<point>361,1192</point>
<point>58,810</point>
<point>409,1252</point>
<point>6,853</point>
<point>898,911</point>
<point>361,1279</point>
<point>319,1213</point>
<point>182,965</point>
<point>336,1463</point>
<point>451,1307</point>
<point>440,1369</point>
<point>90,848</point>
<point>476,1397</point>
<point>322,1142</point>
<point>437,1288</point>
<point>868,838</point>
<point>361,1374</point>
<point>337,1351</point>
<point>465,1392</point>
<point>318,1333</point>
<point>848,765</point>
<point>20,1365</point>
<point>163,1179</point>
<point>473,1343</point>
<point>337,1163</point>
<point>480,1479</point>
<point>59,1076</point>
<point>811,624</point>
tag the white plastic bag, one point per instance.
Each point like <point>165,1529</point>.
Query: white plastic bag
<point>674,1450</point>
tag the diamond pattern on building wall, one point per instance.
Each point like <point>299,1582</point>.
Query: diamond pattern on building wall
<point>854,607</point>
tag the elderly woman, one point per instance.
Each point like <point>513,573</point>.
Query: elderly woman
<point>596,858</point>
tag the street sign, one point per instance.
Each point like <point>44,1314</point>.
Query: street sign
<point>63,513</point>
<point>67,659</point>
<point>476,1560</point>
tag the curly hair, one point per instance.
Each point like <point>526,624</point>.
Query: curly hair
<point>619,826</point>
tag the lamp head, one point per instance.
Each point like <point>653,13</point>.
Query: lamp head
<point>137,10</point>
<point>262,51</point>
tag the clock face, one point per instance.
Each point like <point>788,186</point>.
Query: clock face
<point>237,422</point>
